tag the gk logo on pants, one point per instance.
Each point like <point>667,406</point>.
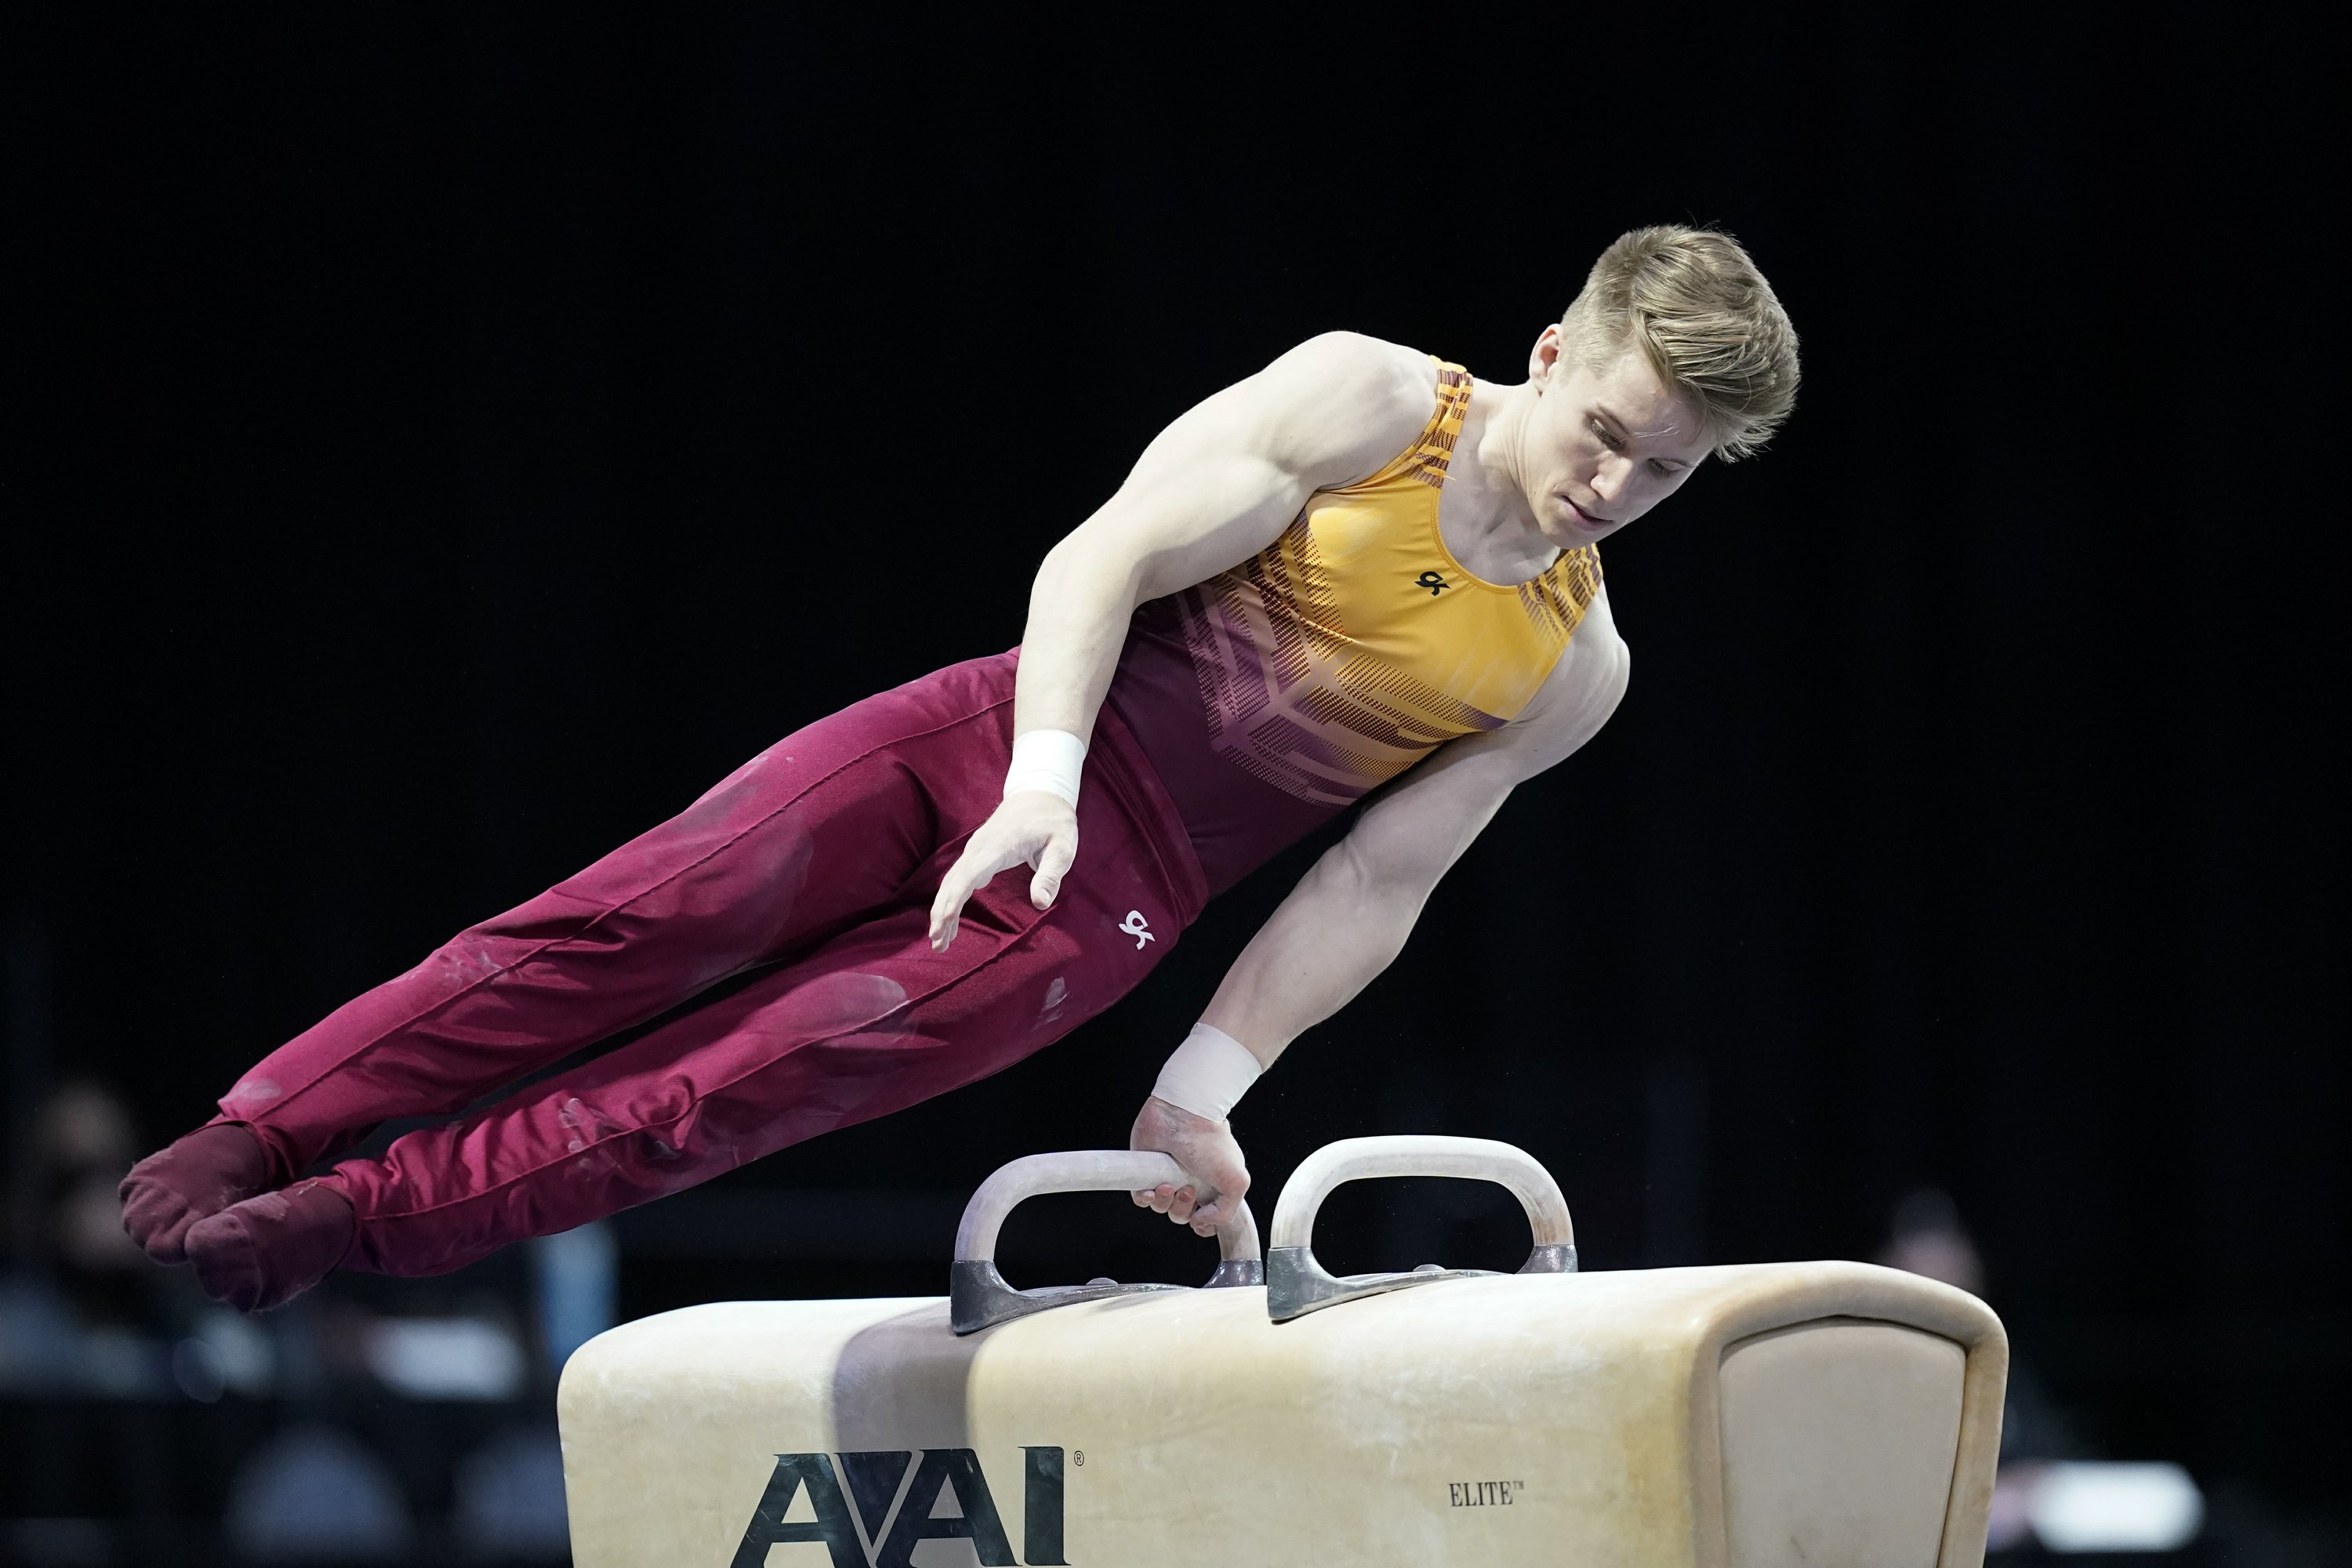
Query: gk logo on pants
<point>1135,926</point>
<point>855,1519</point>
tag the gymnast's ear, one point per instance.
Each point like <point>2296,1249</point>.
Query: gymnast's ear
<point>1544,357</point>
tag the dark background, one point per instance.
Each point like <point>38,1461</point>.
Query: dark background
<point>447,444</point>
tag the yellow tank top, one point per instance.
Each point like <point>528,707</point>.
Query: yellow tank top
<point>1355,644</point>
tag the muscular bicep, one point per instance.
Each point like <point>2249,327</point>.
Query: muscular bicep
<point>1224,478</point>
<point>1410,833</point>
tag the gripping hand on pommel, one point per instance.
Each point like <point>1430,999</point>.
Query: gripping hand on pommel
<point>1205,1148</point>
<point>1034,825</point>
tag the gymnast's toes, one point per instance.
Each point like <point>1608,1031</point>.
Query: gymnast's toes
<point>193,1179</point>
<point>264,1252</point>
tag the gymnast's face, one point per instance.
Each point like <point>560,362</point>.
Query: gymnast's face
<point>1601,446</point>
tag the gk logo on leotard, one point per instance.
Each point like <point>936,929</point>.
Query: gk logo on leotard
<point>1134,927</point>
<point>1433,583</point>
<point>878,1534</point>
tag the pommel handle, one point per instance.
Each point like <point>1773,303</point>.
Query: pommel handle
<point>977,1294</point>
<point>1420,1154</point>
<point>1298,1284</point>
<point>1085,1171</point>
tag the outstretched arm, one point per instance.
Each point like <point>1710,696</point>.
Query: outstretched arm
<point>1350,915</point>
<point>1214,489</point>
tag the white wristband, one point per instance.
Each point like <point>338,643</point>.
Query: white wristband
<point>1208,1075</point>
<point>1048,760</point>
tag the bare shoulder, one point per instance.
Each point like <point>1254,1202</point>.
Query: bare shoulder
<point>1336,409</point>
<point>1371,377</point>
<point>1603,660</point>
<point>1598,634</point>
<point>1585,687</point>
<point>1342,405</point>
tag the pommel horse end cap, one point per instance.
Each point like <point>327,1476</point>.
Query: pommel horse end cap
<point>1757,1415</point>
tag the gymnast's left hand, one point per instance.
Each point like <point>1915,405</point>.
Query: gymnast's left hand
<point>1033,825</point>
<point>1209,1153</point>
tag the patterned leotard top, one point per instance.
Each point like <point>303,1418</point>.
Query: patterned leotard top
<point>1286,687</point>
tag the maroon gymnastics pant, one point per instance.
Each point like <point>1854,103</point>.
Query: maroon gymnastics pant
<point>820,856</point>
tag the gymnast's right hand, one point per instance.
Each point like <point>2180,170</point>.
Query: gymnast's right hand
<point>1034,825</point>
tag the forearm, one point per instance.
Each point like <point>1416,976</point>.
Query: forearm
<point>1338,929</point>
<point>1079,607</point>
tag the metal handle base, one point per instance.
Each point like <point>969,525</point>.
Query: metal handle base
<point>1296,1284</point>
<point>980,1298</point>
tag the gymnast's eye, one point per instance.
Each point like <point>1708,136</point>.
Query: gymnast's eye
<point>1663,470</point>
<point>1609,437</point>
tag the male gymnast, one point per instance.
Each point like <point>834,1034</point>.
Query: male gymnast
<point>1361,567</point>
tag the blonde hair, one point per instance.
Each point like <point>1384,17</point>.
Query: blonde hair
<point>1693,303</point>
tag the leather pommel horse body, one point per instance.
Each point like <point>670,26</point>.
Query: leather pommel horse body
<point>1830,1415</point>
